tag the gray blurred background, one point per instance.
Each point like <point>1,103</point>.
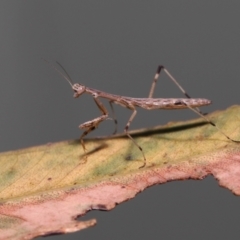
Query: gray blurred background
<point>115,46</point>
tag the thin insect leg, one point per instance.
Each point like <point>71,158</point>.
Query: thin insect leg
<point>156,77</point>
<point>160,67</point>
<point>93,124</point>
<point>175,81</point>
<point>212,123</point>
<point>180,87</point>
<point>114,117</point>
<point>126,132</point>
<point>85,133</point>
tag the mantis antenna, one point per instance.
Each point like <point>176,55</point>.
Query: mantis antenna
<point>65,76</point>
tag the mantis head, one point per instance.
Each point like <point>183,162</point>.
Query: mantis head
<point>78,89</point>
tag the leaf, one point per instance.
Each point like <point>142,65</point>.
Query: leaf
<point>43,189</point>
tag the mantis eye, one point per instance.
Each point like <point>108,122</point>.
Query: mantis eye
<point>78,89</point>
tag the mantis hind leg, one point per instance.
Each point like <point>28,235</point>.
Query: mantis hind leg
<point>156,77</point>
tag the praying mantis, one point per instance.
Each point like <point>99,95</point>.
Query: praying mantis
<point>131,103</point>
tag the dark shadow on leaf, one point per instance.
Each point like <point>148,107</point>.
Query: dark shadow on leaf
<point>98,148</point>
<point>148,132</point>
